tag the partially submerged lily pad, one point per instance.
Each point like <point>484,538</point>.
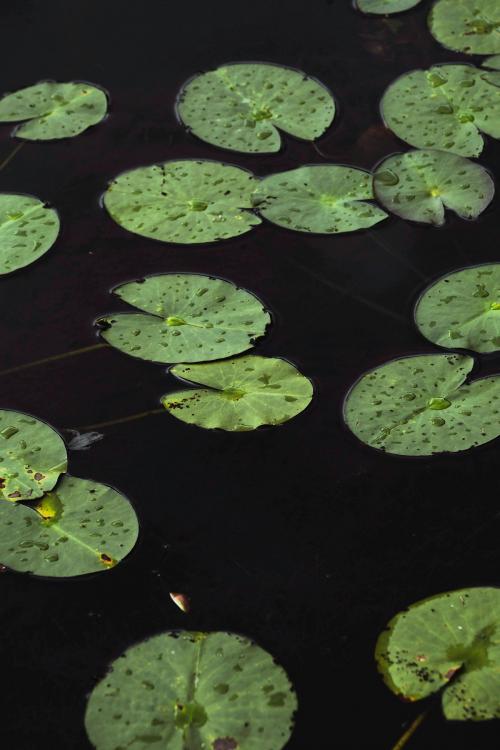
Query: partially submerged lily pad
<point>28,228</point>
<point>242,393</point>
<point>187,691</point>
<point>449,642</point>
<point>419,185</point>
<point>420,405</point>
<point>183,201</point>
<point>385,7</point>
<point>462,309</point>
<point>190,318</point>
<point>471,26</point>
<point>54,110</point>
<point>243,106</point>
<point>79,527</point>
<point>322,199</point>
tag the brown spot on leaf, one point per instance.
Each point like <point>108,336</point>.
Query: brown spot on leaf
<point>449,674</point>
<point>15,494</point>
<point>2,483</point>
<point>224,743</point>
<point>39,476</point>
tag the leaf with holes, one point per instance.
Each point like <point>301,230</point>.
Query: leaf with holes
<point>419,185</point>
<point>471,26</point>
<point>385,7</point>
<point>190,318</point>
<point>54,110</point>
<point>187,691</point>
<point>420,405</point>
<point>183,201</point>
<point>28,228</point>
<point>243,106</point>
<point>242,394</point>
<point>319,199</point>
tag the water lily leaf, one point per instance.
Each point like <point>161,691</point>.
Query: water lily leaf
<point>79,527</point>
<point>419,185</point>
<point>54,110</point>
<point>385,7</point>
<point>319,199</point>
<point>32,456</point>
<point>187,691</point>
<point>242,106</point>
<point>190,318</point>
<point>471,26</point>
<point>449,642</point>
<point>462,309</point>
<point>446,107</point>
<point>183,201</point>
<point>242,393</point>
<point>28,228</point>
<point>417,406</point>
<point>493,74</point>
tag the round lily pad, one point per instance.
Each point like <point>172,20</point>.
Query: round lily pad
<point>242,106</point>
<point>449,642</point>
<point>319,199</point>
<point>471,26</point>
<point>79,527</point>
<point>385,7</point>
<point>190,318</point>
<point>28,228</point>
<point>32,456</point>
<point>419,185</point>
<point>183,201</point>
<point>242,393</point>
<point>462,309</point>
<point>420,405</point>
<point>446,108</point>
<point>188,691</point>
<point>54,110</point>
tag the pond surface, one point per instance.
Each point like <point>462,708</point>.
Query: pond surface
<point>298,536</point>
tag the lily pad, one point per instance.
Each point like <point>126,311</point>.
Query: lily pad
<point>449,642</point>
<point>79,527</point>
<point>385,7</point>
<point>420,405</point>
<point>471,26</point>
<point>446,108</point>
<point>187,691</point>
<point>319,199</point>
<point>493,74</point>
<point>243,106</point>
<point>190,318</point>
<point>183,201</point>
<point>462,309</point>
<point>28,228</point>
<point>54,110</point>
<point>32,456</point>
<point>242,393</point>
<point>419,185</point>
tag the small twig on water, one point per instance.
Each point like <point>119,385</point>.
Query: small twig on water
<point>405,738</point>
<point>10,156</point>
<point>112,422</point>
<point>54,358</point>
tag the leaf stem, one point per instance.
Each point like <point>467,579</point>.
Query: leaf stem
<point>408,734</point>
<point>130,418</point>
<point>10,156</point>
<point>54,358</point>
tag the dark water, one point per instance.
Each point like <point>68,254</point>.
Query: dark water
<point>298,536</point>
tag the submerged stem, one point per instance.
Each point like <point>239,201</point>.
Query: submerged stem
<point>401,259</point>
<point>121,420</point>
<point>53,358</point>
<point>404,739</point>
<point>10,156</point>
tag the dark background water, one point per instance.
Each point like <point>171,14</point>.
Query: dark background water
<point>298,536</point>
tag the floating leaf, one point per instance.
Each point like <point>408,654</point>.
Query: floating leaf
<point>242,393</point>
<point>385,7</point>
<point>183,201</point>
<point>28,228</point>
<point>54,110</point>
<point>188,691</point>
<point>419,185</point>
<point>32,456</point>
<point>320,199</point>
<point>242,106</point>
<point>416,406</point>
<point>191,319</point>
<point>492,75</point>
<point>449,642</point>
<point>79,527</point>
<point>471,26</point>
<point>443,108</point>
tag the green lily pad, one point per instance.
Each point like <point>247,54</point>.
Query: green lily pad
<point>183,201</point>
<point>32,456</point>
<point>188,691</point>
<point>462,309</point>
<point>419,185</point>
<point>493,74</point>
<point>449,642</point>
<point>420,405</point>
<point>319,199</point>
<point>242,393</point>
<point>54,110</point>
<point>242,106</point>
<point>446,108</point>
<point>28,228</point>
<point>79,527</point>
<point>471,26</point>
<point>492,62</point>
<point>190,318</point>
<point>385,7</point>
